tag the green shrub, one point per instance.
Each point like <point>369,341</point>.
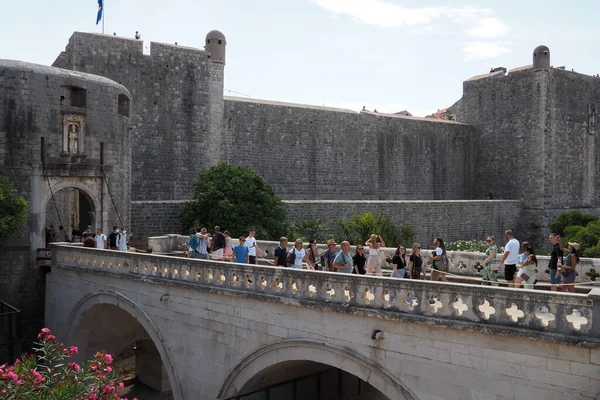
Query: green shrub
<point>309,229</point>
<point>568,219</point>
<point>467,245</point>
<point>236,199</point>
<point>587,236</point>
<point>359,227</point>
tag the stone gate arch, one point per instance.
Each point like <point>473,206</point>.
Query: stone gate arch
<point>311,350</point>
<point>45,187</point>
<point>114,298</point>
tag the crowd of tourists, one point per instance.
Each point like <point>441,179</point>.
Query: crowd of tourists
<point>116,240</point>
<point>517,261</point>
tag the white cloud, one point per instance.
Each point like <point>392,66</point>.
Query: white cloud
<point>475,51</point>
<point>386,14</point>
<point>489,28</point>
<point>381,13</point>
<point>480,23</point>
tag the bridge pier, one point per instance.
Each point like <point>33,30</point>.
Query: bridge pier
<point>149,368</point>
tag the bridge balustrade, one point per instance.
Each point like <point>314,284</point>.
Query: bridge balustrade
<point>492,309</point>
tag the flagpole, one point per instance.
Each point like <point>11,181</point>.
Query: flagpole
<point>103,15</point>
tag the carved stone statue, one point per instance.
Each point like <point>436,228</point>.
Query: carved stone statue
<point>73,138</point>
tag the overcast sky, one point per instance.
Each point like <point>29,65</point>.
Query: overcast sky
<point>385,54</point>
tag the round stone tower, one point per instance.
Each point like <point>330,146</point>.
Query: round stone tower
<point>541,57</point>
<point>215,46</point>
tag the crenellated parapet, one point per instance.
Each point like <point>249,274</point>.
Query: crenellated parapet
<point>515,312</point>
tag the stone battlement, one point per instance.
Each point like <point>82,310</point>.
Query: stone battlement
<point>128,47</point>
<point>569,318</point>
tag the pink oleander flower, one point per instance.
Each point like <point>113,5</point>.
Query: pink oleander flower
<point>74,366</point>
<point>73,350</point>
<point>12,376</point>
<point>108,369</point>
<point>39,379</point>
<point>109,389</point>
<point>121,385</point>
<point>108,358</point>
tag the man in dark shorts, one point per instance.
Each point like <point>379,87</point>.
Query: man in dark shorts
<point>510,258</point>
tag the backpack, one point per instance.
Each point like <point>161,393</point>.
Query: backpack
<point>291,259</point>
<point>443,263</point>
<point>194,242</point>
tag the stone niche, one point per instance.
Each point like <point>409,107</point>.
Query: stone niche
<point>73,134</point>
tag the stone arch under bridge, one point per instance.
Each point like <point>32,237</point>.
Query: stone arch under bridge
<point>109,320</point>
<point>285,351</point>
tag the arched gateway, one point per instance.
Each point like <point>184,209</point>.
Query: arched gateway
<point>98,314</point>
<point>241,377</point>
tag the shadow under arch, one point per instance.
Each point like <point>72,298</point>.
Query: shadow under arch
<point>312,350</point>
<point>123,302</point>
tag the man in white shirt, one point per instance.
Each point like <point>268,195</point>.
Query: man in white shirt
<point>122,240</point>
<point>101,239</point>
<point>251,245</point>
<point>510,258</point>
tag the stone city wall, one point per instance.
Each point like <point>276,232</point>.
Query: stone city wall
<point>311,152</point>
<point>155,218</point>
<point>452,220</point>
<point>22,285</point>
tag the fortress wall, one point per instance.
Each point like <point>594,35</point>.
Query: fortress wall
<point>156,218</point>
<point>175,125</point>
<point>572,173</point>
<point>509,113</point>
<point>451,220</point>
<point>321,153</point>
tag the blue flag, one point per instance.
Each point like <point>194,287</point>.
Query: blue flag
<point>100,8</point>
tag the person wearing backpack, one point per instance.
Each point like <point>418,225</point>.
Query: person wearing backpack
<point>198,247</point>
<point>440,261</point>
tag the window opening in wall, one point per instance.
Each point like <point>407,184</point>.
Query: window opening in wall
<point>78,97</point>
<point>219,41</point>
<point>593,119</point>
<point>124,105</point>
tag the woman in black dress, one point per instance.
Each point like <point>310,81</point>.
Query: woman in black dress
<point>415,262</point>
<point>359,261</point>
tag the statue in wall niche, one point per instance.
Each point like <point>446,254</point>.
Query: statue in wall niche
<point>73,138</point>
<point>73,134</point>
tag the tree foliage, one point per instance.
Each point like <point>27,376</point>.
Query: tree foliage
<point>571,218</point>
<point>580,228</point>
<point>236,199</point>
<point>359,227</point>
<point>13,210</point>
<point>309,229</point>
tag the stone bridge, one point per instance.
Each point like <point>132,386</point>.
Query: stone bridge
<point>216,330</point>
